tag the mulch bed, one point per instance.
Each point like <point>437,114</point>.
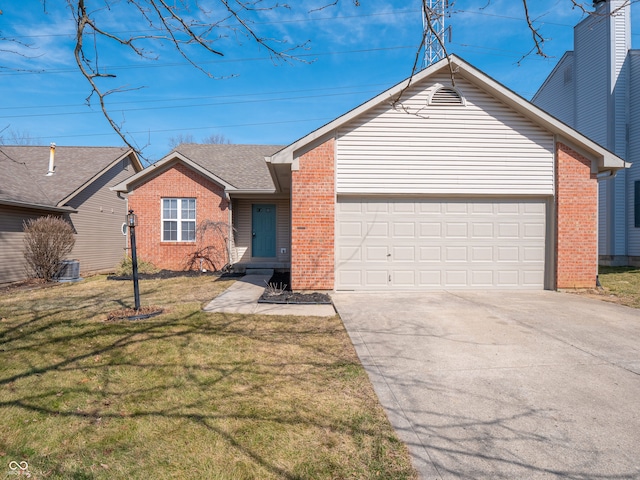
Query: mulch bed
<point>133,314</point>
<point>279,291</point>
<point>176,273</point>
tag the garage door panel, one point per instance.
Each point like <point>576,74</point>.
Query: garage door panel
<point>375,253</point>
<point>482,254</point>
<point>404,254</point>
<point>479,208</point>
<point>456,208</point>
<point>456,230</point>
<point>350,229</point>
<point>404,278</point>
<point>430,254</point>
<point>377,229</point>
<point>508,278</point>
<point>430,230</point>
<point>482,230</point>
<point>534,230</point>
<point>482,278</point>
<point>349,253</point>
<point>425,243</point>
<point>377,278</point>
<point>430,207</point>
<point>404,229</point>
<point>507,254</point>
<point>533,254</point>
<point>456,278</point>
<point>508,230</point>
<point>456,254</point>
<point>403,208</point>
<point>430,278</point>
<point>532,278</point>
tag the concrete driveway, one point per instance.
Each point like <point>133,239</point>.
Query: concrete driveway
<point>513,385</point>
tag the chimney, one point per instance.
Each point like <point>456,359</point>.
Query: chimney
<point>52,159</point>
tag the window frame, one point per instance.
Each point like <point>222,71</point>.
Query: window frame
<point>179,219</point>
<point>636,203</point>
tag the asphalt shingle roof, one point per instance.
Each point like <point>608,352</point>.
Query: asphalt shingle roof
<point>23,171</point>
<point>242,166</point>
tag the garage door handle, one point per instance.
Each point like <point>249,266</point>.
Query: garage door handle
<point>388,254</point>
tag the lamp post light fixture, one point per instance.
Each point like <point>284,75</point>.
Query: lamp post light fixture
<point>132,220</point>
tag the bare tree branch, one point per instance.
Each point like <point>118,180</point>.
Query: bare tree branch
<point>173,23</point>
<point>430,30</point>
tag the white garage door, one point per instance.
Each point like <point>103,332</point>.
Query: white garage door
<point>431,243</point>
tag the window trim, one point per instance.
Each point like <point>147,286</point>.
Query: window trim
<point>179,220</point>
<point>636,203</point>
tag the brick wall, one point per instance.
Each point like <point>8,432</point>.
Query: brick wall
<point>313,220</point>
<point>179,181</point>
<point>576,220</point>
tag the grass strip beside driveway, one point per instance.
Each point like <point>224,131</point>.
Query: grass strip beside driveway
<point>186,394</point>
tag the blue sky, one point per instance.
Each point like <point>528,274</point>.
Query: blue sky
<point>352,54</point>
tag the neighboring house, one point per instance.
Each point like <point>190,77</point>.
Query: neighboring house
<point>429,185</point>
<point>596,89</point>
<point>70,182</point>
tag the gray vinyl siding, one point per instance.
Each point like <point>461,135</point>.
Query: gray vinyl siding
<point>242,225</point>
<point>602,93</point>
<point>483,147</point>
<point>12,264</point>
<point>633,174</point>
<point>592,57</point>
<point>100,244</point>
<point>618,134</point>
<point>557,95</point>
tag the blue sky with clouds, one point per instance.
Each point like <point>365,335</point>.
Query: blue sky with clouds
<point>351,54</point>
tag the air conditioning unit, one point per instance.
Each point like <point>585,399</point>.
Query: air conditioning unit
<point>69,271</point>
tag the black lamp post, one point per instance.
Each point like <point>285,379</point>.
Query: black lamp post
<point>131,222</point>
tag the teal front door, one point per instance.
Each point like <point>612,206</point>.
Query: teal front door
<point>263,225</point>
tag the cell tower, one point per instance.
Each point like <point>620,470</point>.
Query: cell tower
<point>433,15</point>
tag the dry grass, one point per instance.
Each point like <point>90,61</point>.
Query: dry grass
<point>621,285</point>
<point>185,394</point>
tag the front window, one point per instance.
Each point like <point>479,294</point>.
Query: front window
<point>178,219</point>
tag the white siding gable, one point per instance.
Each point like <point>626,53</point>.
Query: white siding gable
<point>483,147</point>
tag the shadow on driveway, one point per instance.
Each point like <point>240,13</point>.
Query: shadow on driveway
<point>513,385</point>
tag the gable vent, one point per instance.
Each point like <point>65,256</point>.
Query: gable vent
<point>446,96</point>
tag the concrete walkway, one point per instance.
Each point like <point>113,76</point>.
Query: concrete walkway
<point>504,385</point>
<point>242,297</point>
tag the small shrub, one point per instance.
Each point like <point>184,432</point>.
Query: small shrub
<point>47,240</point>
<point>275,289</point>
<point>125,269</point>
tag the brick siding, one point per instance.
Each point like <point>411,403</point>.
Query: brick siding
<point>313,220</point>
<point>178,181</point>
<point>576,220</point>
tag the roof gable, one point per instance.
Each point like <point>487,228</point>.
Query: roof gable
<point>240,168</point>
<point>603,158</point>
<point>25,169</point>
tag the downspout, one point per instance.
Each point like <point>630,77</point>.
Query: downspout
<point>230,236</point>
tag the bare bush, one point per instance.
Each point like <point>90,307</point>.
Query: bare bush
<point>212,247</point>
<point>47,240</point>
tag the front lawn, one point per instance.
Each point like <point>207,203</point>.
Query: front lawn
<point>621,285</point>
<point>185,394</point>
